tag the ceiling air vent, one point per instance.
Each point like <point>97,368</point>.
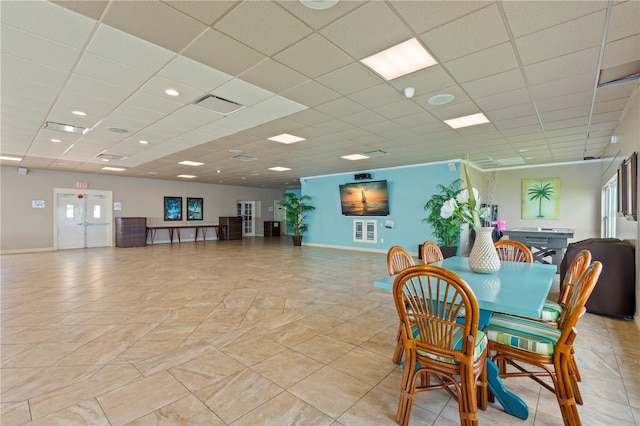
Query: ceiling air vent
<point>373,154</point>
<point>485,162</point>
<point>110,157</point>
<point>243,158</point>
<point>511,161</point>
<point>68,128</point>
<point>219,105</point>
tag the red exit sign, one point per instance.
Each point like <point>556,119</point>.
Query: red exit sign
<point>81,185</point>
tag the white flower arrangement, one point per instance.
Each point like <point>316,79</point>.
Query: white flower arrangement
<point>464,207</point>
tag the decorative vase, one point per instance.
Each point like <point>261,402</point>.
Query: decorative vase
<point>483,258</point>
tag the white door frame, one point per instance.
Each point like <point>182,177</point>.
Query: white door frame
<point>108,214</point>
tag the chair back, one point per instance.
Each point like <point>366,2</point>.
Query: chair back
<point>431,253</point>
<point>398,259</point>
<point>576,301</point>
<point>438,313</point>
<point>514,251</point>
<point>578,266</point>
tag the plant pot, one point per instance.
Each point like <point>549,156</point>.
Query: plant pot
<point>448,251</point>
<point>297,240</point>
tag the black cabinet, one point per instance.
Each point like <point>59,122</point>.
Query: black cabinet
<point>234,227</point>
<point>131,231</point>
<point>271,228</point>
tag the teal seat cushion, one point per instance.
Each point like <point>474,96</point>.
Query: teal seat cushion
<point>481,344</point>
<point>529,335</point>
<point>551,311</point>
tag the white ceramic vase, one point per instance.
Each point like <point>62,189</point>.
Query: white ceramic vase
<point>483,258</point>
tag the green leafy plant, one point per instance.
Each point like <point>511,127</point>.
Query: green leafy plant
<point>464,207</point>
<point>540,192</point>
<point>295,209</point>
<point>445,230</point>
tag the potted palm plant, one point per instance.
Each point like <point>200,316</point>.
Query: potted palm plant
<point>445,231</point>
<point>295,210</point>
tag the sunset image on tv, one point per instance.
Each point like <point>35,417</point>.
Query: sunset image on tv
<point>364,199</point>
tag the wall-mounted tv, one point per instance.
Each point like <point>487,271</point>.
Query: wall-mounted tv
<point>365,198</point>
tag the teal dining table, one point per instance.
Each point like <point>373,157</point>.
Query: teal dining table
<point>518,288</point>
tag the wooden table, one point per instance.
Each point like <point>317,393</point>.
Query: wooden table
<point>518,288</point>
<point>221,231</point>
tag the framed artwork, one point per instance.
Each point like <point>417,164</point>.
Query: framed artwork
<point>172,208</point>
<point>541,198</point>
<point>194,208</point>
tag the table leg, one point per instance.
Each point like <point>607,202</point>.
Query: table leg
<point>511,402</point>
<point>195,240</point>
<point>178,232</point>
<point>171,235</point>
<point>204,234</point>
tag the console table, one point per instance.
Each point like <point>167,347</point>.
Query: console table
<point>543,242</point>
<point>221,231</point>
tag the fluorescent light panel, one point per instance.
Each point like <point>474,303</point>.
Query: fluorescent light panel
<point>279,169</point>
<point>190,163</point>
<point>4,157</point>
<point>187,176</point>
<point>286,138</point>
<point>115,169</point>
<point>399,60</point>
<point>467,120</point>
<point>354,157</point>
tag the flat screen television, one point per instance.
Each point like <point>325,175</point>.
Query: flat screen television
<point>365,198</point>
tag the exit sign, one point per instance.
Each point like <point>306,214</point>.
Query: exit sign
<point>81,185</point>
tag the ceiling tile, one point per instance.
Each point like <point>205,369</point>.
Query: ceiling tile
<point>622,51</point>
<point>37,49</point>
<point>158,17</point>
<point>498,83</point>
<point>425,16</point>
<point>313,56</point>
<point>263,25</point>
<point>480,64</point>
<point>272,76</point>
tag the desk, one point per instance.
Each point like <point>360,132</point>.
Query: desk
<point>518,288</point>
<point>175,229</point>
<point>543,242</point>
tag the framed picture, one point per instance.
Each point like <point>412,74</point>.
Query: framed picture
<point>541,198</point>
<point>172,208</point>
<point>194,208</point>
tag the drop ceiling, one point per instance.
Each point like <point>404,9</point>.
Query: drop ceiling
<point>532,67</point>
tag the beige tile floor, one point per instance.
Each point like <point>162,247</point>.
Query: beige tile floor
<point>250,332</point>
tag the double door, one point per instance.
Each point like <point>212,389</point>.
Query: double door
<point>83,218</point>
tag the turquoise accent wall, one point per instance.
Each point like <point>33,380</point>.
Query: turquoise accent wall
<point>409,189</point>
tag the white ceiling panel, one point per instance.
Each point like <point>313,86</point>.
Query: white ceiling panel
<point>531,67</point>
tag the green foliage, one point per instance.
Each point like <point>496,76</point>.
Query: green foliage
<point>540,192</point>
<point>295,210</point>
<point>446,231</point>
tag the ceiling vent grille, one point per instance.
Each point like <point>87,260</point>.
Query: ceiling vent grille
<point>485,162</point>
<point>243,158</point>
<point>67,128</point>
<point>218,105</point>
<point>110,157</point>
<point>511,161</point>
<point>377,153</point>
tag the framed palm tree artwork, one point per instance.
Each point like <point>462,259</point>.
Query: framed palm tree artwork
<point>541,198</point>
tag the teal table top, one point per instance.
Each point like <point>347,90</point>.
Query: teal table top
<point>518,288</point>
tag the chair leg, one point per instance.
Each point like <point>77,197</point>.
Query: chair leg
<point>467,401</point>
<point>397,353</point>
<point>574,366</point>
<point>565,391</point>
<point>483,389</point>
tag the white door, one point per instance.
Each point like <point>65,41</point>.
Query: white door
<point>610,207</point>
<point>83,218</point>
<point>246,209</point>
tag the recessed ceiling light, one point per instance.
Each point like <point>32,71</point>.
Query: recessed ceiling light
<point>218,171</point>
<point>467,120</point>
<point>399,60</point>
<point>354,157</point>
<point>4,157</point>
<point>56,140</point>
<point>190,163</point>
<point>143,142</point>
<point>318,4</point>
<point>286,138</point>
<point>172,92</point>
<point>187,176</point>
<point>279,169</point>
<point>443,99</point>
<point>106,160</point>
<point>115,169</point>
<point>81,113</point>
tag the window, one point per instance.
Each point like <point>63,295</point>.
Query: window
<point>365,231</point>
<point>70,211</point>
<point>96,212</point>
<point>610,204</point>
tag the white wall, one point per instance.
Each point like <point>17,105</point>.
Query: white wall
<point>23,228</point>
<point>579,197</point>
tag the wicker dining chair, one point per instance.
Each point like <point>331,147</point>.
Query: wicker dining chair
<point>443,347</point>
<point>398,259</point>
<point>548,349</point>
<point>431,253</point>
<point>513,250</point>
